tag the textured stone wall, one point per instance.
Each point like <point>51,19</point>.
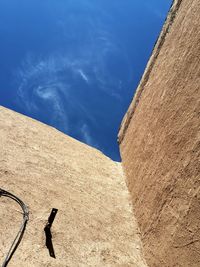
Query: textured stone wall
<point>94,225</point>
<point>160,143</point>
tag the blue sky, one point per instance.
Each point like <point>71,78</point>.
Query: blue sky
<point>75,64</point>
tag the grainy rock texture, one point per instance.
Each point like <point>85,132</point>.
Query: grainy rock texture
<point>94,226</point>
<point>160,143</point>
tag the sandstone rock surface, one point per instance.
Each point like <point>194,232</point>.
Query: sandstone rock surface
<point>94,225</point>
<point>160,143</point>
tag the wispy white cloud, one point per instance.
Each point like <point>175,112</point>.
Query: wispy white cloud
<point>39,85</point>
<point>83,75</point>
<point>52,83</point>
<point>87,136</point>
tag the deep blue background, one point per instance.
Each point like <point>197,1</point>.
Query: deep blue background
<point>74,64</point>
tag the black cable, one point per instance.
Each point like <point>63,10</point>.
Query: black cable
<point>21,231</point>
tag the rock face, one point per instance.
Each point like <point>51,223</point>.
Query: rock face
<point>94,225</point>
<point>160,143</point>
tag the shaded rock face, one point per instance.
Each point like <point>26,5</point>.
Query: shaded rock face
<point>94,225</point>
<point>160,144</point>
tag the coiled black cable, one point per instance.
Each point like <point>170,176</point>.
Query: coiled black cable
<point>20,233</point>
